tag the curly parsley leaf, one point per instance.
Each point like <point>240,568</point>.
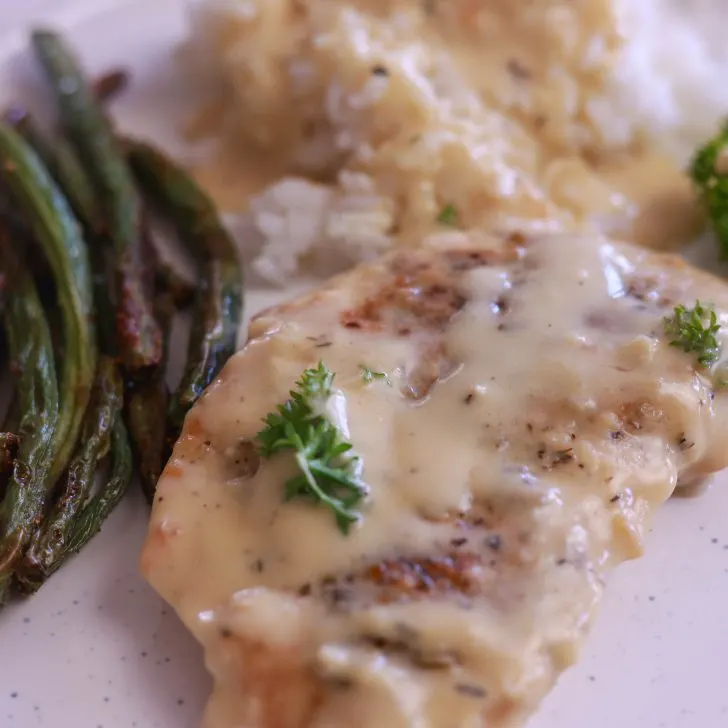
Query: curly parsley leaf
<point>709,172</point>
<point>328,471</point>
<point>694,331</point>
<point>369,375</point>
<point>449,215</point>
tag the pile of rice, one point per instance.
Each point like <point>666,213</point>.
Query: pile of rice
<point>381,128</point>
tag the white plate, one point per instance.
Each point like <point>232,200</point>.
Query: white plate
<point>96,647</point>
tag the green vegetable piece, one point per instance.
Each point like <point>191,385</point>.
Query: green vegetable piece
<point>58,233</point>
<point>31,356</point>
<point>329,471</point>
<point>112,84</point>
<point>449,215</point>
<point>694,331</point>
<point>181,290</point>
<point>63,164</point>
<point>89,522</point>
<point>92,137</point>
<point>369,375</point>
<point>146,411</point>
<point>709,172</point>
<point>9,443</point>
<point>218,305</point>
<point>48,546</point>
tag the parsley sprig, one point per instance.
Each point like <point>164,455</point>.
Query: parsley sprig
<point>449,215</point>
<point>329,471</point>
<point>369,375</point>
<point>694,331</point>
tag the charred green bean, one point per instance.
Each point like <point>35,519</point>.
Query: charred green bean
<point>90,132</point>
<point>58,233</point>
<point>218,304</point>
<point>48,545</point>
<point>31,356</point>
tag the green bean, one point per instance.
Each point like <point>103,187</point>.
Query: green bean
<point>31,355</point>
<point>9,443</point>
<point>45,553</point>
<point>89,523</point>
<point>89,131</point>
<point>146,409</point>
<point>218,305</point>
<point>58,233</point>
<point>107,87</point>
<point>181,290</point>
<point>63,164</point>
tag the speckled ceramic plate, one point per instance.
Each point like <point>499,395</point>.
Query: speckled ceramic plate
<point>96,647</point>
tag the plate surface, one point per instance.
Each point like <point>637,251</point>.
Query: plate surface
<point>97,648</point>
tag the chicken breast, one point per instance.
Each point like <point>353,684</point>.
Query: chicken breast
<point>532,417</point>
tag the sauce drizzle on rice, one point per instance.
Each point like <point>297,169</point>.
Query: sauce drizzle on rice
<point>372,116</point>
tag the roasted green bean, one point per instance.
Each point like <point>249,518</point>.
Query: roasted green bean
<point>218,304</point>
<point>48,545</point>
<point>64,166</point>
<point>88,524</point>
<point>9,443</point>
<point>181,290</point>
<point>146,409</point>
<point>89,131</point>
<point>31,356</point>
<point>59,235</point>
<point>107,87</point>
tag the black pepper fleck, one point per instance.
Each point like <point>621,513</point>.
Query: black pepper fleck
<point>614,498</point>
<point>380,70</point>
<point>458,542</point>
<point>563,456</point>
<point>469,398</point>
<point>471,691</point>
<point>518,70</point>
<point>494,542</point>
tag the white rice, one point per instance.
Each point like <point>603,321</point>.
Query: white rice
<point>670,81</point>
<point>395,148</point>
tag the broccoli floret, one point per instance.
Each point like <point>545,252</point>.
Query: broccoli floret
<point>709,171</point>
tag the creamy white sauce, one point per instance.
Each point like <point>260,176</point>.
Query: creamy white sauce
<point>554,419</point>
